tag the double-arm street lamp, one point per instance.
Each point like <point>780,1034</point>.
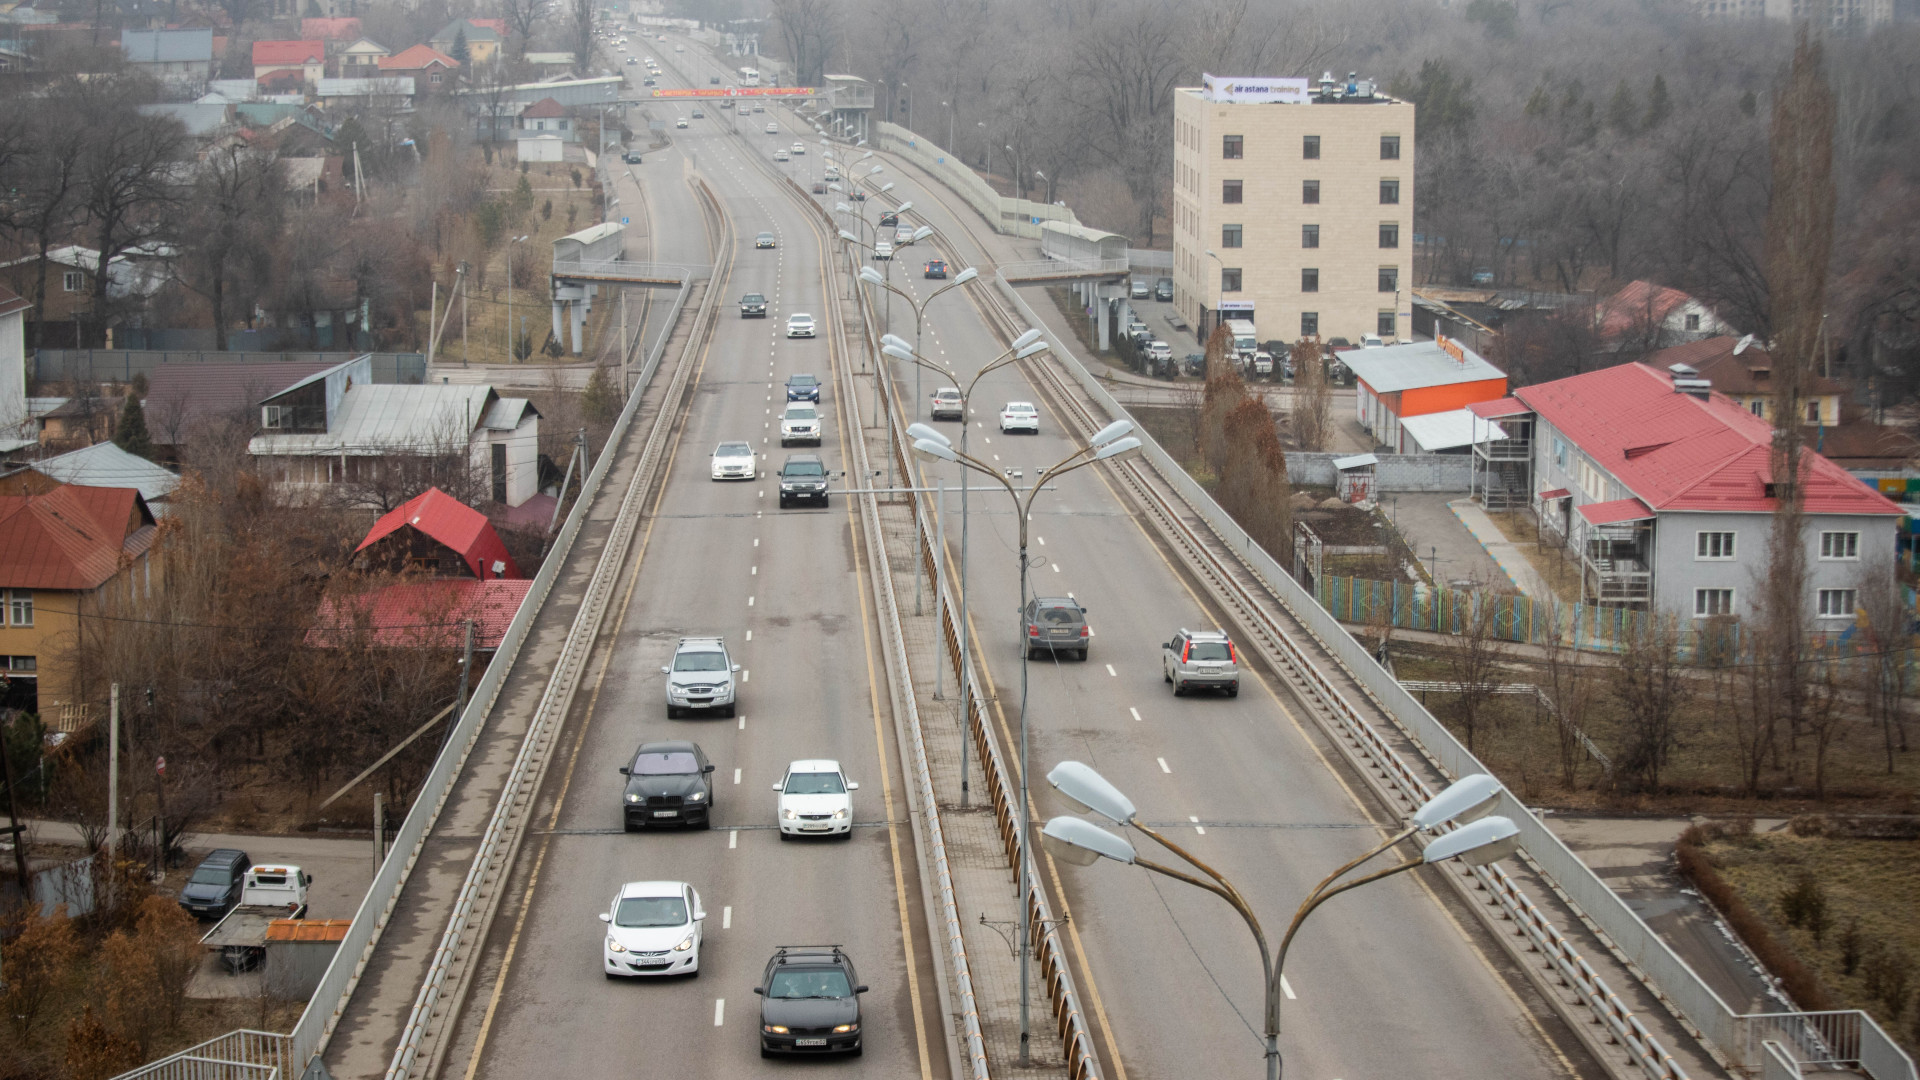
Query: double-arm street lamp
<point>1476,840</point>
<point>1112,443</point>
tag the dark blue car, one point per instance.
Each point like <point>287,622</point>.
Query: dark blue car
<point>215,885</point>
<point>803,388</point>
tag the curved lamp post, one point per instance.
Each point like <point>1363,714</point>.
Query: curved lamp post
<point>1476,840</point>
<point>1111,444</point>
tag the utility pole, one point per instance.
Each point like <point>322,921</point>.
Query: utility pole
<point>379,830</point>
<point>18,831</point>
<point>113,775</point>
<point>464,354</point>
<point>466,664</point>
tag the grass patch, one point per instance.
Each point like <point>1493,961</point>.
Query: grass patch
<point>1549,560</point>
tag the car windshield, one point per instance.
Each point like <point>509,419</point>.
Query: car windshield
<point>1061,615</point>
<point>211,875</point>
<point>817,983</point>
<point>733,449</point>
<point>675,763</point>
<point>766,236</point>
<point>1019,406</point>
<point>801,412</point>
<point>651,911</point>
<point>805,468</point>
<point>753,298</point>
<point>802,381</point>
<point>814,783</point>
<point>948,395</point>
<point>1208,650</point>
<point>700,661</point>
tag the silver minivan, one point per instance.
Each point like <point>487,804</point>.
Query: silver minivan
<point>1201,660</point>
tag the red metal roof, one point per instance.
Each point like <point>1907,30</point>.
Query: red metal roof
<point>288,53</point>
<point>1679,452</point>
<point>1494,410</point>
<point>334,930</point>
<point>544,109</point>
<point>1609,513</point>
<point>11,301</point>
<point>1556,493</point>
<point>1639,304</point>
<point>421,614</point>
<point>69,538</point>
<point>338,28</point>
<point>453,523</point>
<point>416,57</point>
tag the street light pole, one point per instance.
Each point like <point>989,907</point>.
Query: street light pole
<point>510,243</point>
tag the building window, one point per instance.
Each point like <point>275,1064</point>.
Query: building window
<point>1309,236</point>
<point>1233,147</point>
<point>1310,147</point>
<point>1310,191</point>
<point>1389,148</point>
<point>1389,235</point>
<point>73,281</point>
<point>20,607</point>
<point>1593,481</point>
<point>1839,545</point>
<point>1693,322</point>
<point>1230,280</point>
<point>1707,602</point>
<point>20,664</point>
<point>1230,191</point>
<point>1559,452</point>
<point>1389,279</point>
<point>1713,545</point>
<point>1758,407</point>
<point>433,79</point>
<point>1309,280</point>
<point>1837,603</point>
<point>1813,412</point>
<point>1229,236</point>
<point>1386,325</point>
<point>1389,193</point>
<point>1309,323</point>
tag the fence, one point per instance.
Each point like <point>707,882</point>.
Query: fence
<point>1391,472</point>
<point>121,365</point>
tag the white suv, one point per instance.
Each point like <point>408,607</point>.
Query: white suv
<point>1201,660</point>
<point>700,679</point>
<point>800,424</point>
<point>653,928</point>
<point>815,800</point>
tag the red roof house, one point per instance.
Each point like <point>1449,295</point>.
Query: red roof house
<point>435,531</point>
<point>341,28</point>
<point>307,57</point>
<point>421,614</point>
<point>1644,316</point>
<point>429,67</point>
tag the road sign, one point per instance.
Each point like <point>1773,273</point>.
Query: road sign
<point>626,221</point>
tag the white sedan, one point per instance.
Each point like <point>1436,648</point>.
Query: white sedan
<point>1020,416</point>
<point>799,326</point>
<point>799,148</point>
<point>779,155</point>
<point>653,928</point>
<point>773,129</point>
<point>733,461</point>
<point>815,800</point>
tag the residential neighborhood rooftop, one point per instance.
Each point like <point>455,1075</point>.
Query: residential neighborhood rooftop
<point>1420,364</point>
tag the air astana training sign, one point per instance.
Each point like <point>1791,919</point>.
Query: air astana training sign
<point>1236,91</point>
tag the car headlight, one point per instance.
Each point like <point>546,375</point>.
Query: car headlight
<point>788,815</point>
<point>613,944</point>
<point>696,796</point>
<point>684,945</point>
<point>845,1028</point>
<point>635,798</point>
<point>839,815</point>
<point>774,1029</point>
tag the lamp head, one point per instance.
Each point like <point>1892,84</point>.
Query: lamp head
<point>922,233</point>
<point>965,276</point>
<point>1111,432</point>
<point>1118,449</point>
<point>1034,349</point>
<point>891,339</point>
<point>871,276</point>
<point>1469,798</point>
<point>1485,841</point>
<point>849,237</point>
<point>1086,789</point>
<point>1027,338</point>
<point>922,431</point>
<point>904,207</point>
<point>933,451</point>
<point>843,208</point>
<point>898,352</point>
<point>884,188</point>
<point>1082,843</point>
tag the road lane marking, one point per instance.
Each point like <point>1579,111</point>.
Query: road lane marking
<point>1056,567</point>
<point>746,675</point>
<point>1286,989</point>
<point>756,541</point>
<point>1042,539</point>
<point>749,601</point>
<point>743,722</point>
<point>719,1011</point>
<point>1197,827</point>
<point>1135,712</point>
<point>749,635</point>
<point>736,776</point>
<point>756,572</point>
<point>1112,672</point>
<point>733,839</point>
<point>1163,765</point>
<point>726,918</point>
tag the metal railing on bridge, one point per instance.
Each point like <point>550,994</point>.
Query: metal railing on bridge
<point>1052,270</point>
<point>630,272</point>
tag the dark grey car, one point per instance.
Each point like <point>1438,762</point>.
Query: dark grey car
<point>810,1002</point>
<point>215,884</point>
<point>668,783</point>
<point>1056,625</point>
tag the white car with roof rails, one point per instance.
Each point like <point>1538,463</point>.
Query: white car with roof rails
<point>700,678</point>
<point>815,800</point>
<point>1020,416</point>
<point>800,423</point>
<point>653,928</point>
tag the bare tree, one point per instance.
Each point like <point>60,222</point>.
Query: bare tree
<point>1653,688</point>
<point>810,30</point>
<point>234,218</point>
<point>132,185</point>
<point>1569,691</point>
<point>1474,653</point>
<point>1884,673</point>
<point>1225,391</point>
<point>1312,397</point>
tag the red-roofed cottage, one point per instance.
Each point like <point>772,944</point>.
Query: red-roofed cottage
<point>429,69</point>
<point>1643,316</point>
<point>1664,489</point>
<point>436,532</point>
<point>307,57</point>
<point>64,552</point>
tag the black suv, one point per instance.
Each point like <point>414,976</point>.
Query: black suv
<point>803,388</point>
<point>753,306</point>
<point>802,478</point>
<point>215,885</point>
<point>1163,289</point>
<point>809,1002</point>
<point>668,783</point>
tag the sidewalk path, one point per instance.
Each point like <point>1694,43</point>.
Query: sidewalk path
<point>1512,561</point>
<point>1440,540</point>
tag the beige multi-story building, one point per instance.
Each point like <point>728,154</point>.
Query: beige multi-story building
<point>1836,15</point>
<point>1293,208</point>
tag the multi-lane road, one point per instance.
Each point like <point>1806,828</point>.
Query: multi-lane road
<point>1394,980</point>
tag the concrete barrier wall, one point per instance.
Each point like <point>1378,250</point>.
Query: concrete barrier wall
<point>1014,217</point>
<point>1395,472</point>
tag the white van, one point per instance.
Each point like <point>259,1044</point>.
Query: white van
<point>1245,339</point>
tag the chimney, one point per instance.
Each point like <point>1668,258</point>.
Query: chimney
<point>1687,380</point>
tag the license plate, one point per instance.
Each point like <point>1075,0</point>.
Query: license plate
<point>666,813</point>
<point>809,1042</point>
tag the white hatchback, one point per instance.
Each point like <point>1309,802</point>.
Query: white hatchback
<point>882,250</point>
<point>1020,416</point>
<point>815,800</point>
<point>733,461</point>
<point>799,325</point>
<point>799,148</point>
<point>653,928</point>
<point>773,129</point>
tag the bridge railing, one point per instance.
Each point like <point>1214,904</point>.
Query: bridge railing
<point>606,269</point>
<point>237,1055</point>
<point>1063,269</point>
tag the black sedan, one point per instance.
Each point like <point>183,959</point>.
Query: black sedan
<point>668,783</point>
<point>809,1002</point>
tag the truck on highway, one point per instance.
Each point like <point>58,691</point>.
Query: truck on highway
<point>269,892</point>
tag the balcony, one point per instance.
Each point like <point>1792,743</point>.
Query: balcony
<point>1616,571</point>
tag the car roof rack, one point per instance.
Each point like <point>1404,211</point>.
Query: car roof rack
<point>780,951</point>
<point>704,639</point>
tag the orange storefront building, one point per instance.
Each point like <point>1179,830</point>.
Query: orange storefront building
<point>1419,379</point>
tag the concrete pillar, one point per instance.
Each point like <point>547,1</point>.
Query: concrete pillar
<point>1101,323</point>
<point>579,326</point>
<point>556,318</point>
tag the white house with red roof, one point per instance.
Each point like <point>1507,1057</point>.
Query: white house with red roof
<point>1663,488</point>
<point>309,58</point>
<point>1643,316</point>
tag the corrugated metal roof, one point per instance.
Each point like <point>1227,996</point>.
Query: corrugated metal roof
<point>1420,364</point>
<point>382,419</point>
<point>453,523</point>
<point>1494,410</point>
<point>179,393</point>
<point>104,465</point>
<point>1446,430</point>
<point>1357,461</point>
<point>326,930</point>
<point>422,614</point>
<point>70,538</point>
<point>192,45</point>
<point>507,413</point>
<point>1679,452</point>
<point>1078,232</point>
<point>1612,513</point>
<point>288,53</point>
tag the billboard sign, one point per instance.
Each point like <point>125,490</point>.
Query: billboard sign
<point>1236,305</point>
<point>1227,90</point>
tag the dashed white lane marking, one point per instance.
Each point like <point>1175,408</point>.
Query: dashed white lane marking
<point>1135,712</point>
<point>762,494</point>
<point>756,572</point>
<point>726,918</point>
<point>1163,765</point>
<point>736,779</point>
<point>749,601</point>
<point>733,838</point>
<point>996,457</point>
<point>1286,989</point>
<point>1112,672</point>
<point>1197,827</point>
<point>746,674</point>
<point>749,635</point>
<point>743,723</point>
<point>719,1011</point>
<point>1056,567</point>
<point>756,541</point>
<point>1042,539</point>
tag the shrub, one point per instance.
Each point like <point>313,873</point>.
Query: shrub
<point>1805,905</point>
<point>1800,984</point>
<point>1887,975</point>
<point>1853,945</point>
<point>36,961</point>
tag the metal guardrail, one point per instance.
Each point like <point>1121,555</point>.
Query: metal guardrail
<point>1063,270</point>
<point>631,271</point>
<point>1839,1039</point>
<point>237,1055</point>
